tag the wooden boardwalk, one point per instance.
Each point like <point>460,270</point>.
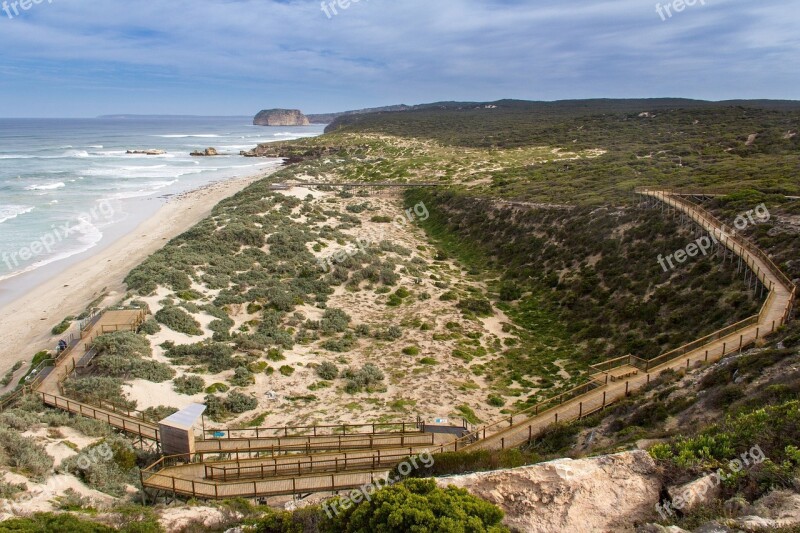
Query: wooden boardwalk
<point>272,464</point>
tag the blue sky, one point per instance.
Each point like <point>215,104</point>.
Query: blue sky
<point>72,58</point>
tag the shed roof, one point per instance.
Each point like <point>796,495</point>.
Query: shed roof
<point>185,418</point>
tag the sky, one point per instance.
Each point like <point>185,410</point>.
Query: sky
<point>83,58</point>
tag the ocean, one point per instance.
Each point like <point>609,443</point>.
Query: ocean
<point>65,183</point>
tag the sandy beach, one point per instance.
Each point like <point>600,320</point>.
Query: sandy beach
<point>28,320</point>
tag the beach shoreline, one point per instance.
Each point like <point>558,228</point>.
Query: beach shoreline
<point>27,321</point>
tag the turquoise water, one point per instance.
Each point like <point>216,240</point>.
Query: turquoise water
<point>65,183</point>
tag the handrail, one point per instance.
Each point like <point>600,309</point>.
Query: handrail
<point>301,431</point>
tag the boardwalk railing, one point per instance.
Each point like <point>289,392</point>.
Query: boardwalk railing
<point>308,465</point>
<point>310,443</point>
<point>316,431</point>
<point>124,422</point>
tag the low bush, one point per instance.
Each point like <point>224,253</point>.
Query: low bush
<point>189,385</point>
<point>368,379</point>
<point>10,374</point>
<point>150,327</point>
<point>54,523</point>
<point>24,454</point>
<point>419,505</point>
<point>242,377</point>
<point>328,371</point>
<point>178,320</point>
<point>238,403</point>
<point>215,356</point>
<point>62,326</point>
<point>108,466</point>
<point>93,389</point>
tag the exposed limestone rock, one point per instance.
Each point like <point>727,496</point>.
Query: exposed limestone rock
<point>751,140</point>
<point>608,493</point>
<point>146,152</point>
<point>208,152</point>
<point>658,528</point>
<point>696,493</point>
<point>281,117</point>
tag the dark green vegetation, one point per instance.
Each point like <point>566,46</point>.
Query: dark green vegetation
<point>681,143</point>
<point>419,505</point>
<point>62,326</point>
<point>127,355</point>
<point>776,236</point>
<point>589,276</point>
<point>121,356</point>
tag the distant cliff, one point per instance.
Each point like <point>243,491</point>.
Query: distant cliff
<point>281,117</point>
<point>327,118</point>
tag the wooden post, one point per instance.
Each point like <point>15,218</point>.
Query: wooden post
<point>604,399</point>
<point>627,387</point>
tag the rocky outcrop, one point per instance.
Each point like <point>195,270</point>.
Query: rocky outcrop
<point>146,152</point>
<point>281,117</point>
<point>208,152</point>
<point>608,493</point>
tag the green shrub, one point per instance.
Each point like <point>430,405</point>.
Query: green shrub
<point>418,505</point>
<point>122,355</point>
<point>478,306</point>
<point>411,350</point>
<point>216,356</point>
<point>10,374</point>
<point>242,377</point>
<point>286,370</point>
<point>275,355</point>
<point>189,295</point>
<point>428,361</point>
<point>54,523</point>
<point>24,454</point>
<point>178,320</point>
<point>217,387</point>
<point>238,403</point>
<point>150,327</point>
<point>510,292</point>
<point>93,389</point>
<point>327,371</point>
<point>62,326</point>
<point>156,414</point>
<point>469,415</point>
<point>341,345</point>
<point>108,466</point>
<point>189,385</point>
<point>464,462</point>
<point>368,379</point>
<point>495,401</point>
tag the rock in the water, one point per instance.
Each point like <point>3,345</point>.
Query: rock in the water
<point>146,152</point>
<point>281,117</point>
<point>208,152</point>
<point>607,493</point>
